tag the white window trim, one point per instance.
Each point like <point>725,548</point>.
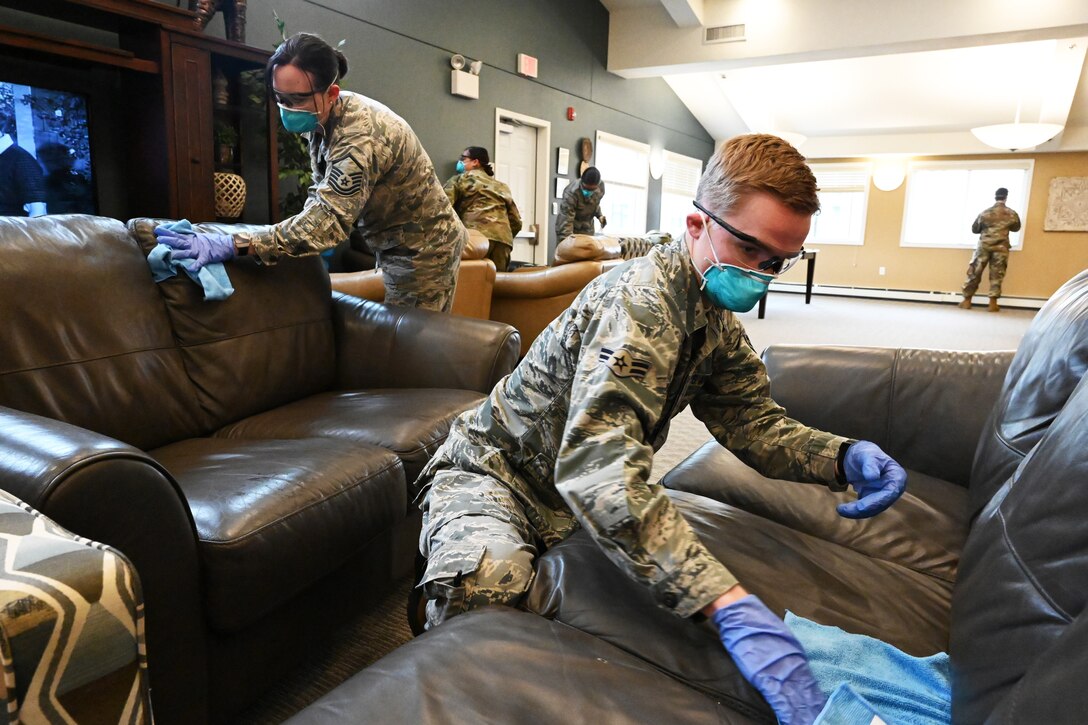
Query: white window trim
<point>867,169</point>
<point>1027,165</point>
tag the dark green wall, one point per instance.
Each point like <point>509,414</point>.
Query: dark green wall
<point>399,50</point>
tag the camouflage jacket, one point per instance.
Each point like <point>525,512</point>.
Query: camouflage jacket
<point>484,203</point>
<point>576,212</point>
<point>993,226</point>
<point>572,431</point>
<point>371,172</point>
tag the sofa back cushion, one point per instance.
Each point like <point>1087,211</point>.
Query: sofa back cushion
<point>1023,583</point>
<point>1050,362</point>
<point>86,336</point>
<point>926,408</point>
<point>583,247</point>
<point>269,343</point>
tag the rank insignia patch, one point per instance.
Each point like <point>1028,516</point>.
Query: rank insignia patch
<point>346,175</point>
<point>623,364</point>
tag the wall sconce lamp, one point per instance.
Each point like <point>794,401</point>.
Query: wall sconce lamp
<point>465,83</point>
<point>888,174</point>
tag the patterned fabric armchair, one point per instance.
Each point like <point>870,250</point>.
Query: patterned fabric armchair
<point>71,625</point>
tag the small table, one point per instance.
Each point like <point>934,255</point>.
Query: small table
<point>810,255</point>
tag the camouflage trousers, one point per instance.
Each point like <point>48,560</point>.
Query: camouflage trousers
<point>499,253</point>
<point>425,278</point>
<point>479,545</point>
<point>999,262</point>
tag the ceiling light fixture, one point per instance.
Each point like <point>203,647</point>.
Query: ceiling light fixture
<point>1015,136</point>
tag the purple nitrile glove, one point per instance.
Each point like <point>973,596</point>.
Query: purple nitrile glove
<point>771,658</point>
<point>877,478</point>
<point>201,248</point>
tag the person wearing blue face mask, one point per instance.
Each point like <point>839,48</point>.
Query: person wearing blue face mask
<point>567,440</point>
<point>581,204</point>
<point>373,182</point>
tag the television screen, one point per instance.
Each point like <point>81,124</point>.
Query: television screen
<point>45,152</point>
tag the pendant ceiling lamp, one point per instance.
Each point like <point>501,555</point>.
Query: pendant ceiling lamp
<point>1014,136</point>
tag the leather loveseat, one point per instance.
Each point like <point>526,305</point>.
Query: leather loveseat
<point>252,457</point>
<point>985,556</point>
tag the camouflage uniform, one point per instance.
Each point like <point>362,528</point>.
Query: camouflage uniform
<point>484,203</point>
<point>576,212</point>
<point>993,226</point>
<point>568,438</point>
<point>372,178</point>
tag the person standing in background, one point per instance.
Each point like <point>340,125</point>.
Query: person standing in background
<point>993,226</point>
<point>484,203</point>
<point>581,203</point>
<point>22,183</point>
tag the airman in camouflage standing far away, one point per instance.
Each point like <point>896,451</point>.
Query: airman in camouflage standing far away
<point>580,205</point>
<point>993,226</point>
<point>485,204</point>
<point>371,178</point>
<point>568,438</point>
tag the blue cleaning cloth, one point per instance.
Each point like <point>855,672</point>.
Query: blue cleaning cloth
<point>904,690</point>
<point>846,707</point>
<point>212,277</point>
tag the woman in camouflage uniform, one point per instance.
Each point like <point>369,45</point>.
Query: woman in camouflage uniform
<point>484,203</point>
<point>371,178</point>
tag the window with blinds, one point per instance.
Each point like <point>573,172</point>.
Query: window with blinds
<point>678,185</point>
<point>625,168</point>
<point>844,197</point>
<point>944,197</point>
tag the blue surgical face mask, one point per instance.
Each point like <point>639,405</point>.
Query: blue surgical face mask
<point>297,121</point>
<point>730,287</point>
<point>460,167</point>
<point>586,193</point>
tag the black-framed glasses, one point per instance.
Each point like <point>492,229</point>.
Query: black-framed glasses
<point>775,265</point>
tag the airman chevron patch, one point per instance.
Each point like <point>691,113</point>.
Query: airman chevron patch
<point>346,175</point>
<point>623,364</point>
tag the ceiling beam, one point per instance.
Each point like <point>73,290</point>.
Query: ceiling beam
<point>685,13</point>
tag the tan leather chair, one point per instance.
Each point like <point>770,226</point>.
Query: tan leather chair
<point>531,297</point>
<point>475,281</point>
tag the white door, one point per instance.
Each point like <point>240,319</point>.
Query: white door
<point>515,165</point>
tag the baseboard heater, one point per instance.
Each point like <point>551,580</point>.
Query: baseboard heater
<point>1030,303</point>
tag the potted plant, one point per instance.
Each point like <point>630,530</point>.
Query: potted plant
<point>226,141</point>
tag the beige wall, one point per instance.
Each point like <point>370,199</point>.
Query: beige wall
<point>1046,261</point>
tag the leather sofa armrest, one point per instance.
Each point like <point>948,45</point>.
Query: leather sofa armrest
<point>926,408</point>
<point>398,347</point>
<point>366,284</point>
<point>83,597</point>
<point>108,491</point>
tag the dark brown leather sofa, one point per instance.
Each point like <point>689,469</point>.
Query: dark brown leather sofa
<point>985,556</point>
<point>252,457</point>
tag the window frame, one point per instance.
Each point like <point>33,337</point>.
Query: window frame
<point>624,182</point>
<point>864,187</point>
<point>672,157</point>
<point>1016,239</point>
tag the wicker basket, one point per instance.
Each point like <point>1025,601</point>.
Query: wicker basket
<point>230,195</point>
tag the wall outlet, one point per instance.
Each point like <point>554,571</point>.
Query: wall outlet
<point>880,271</point>
<point>555,207</point>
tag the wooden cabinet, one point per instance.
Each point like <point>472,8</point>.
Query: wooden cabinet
<point>166,76</point>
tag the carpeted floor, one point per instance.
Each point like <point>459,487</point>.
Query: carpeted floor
<point>827,321</point>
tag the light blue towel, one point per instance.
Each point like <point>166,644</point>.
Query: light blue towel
<point>212,277</point>
<point>903,690</point>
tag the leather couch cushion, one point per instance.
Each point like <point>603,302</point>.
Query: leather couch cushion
<point>924,530</point>
<point>262,346</point>
<point>476,247</point>
<point>577,585</point>
<point>411,422</point>
<point>1024,576</point>
<point>587,247</point>
<point>86,336</point>
<point>500,665</point>
<point>1051,360</point>
<point>898,398</point>
<point>274,516</point>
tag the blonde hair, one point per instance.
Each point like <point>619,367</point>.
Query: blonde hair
<point>757,162</point>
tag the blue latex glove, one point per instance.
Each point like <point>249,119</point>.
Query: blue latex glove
<point>199,247</point>
<point>877,478</point>
<point>771,658</point>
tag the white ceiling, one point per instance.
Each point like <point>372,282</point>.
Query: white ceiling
<point>865,77</point>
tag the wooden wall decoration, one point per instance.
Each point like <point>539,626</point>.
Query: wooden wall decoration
<point>1067,205</point>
